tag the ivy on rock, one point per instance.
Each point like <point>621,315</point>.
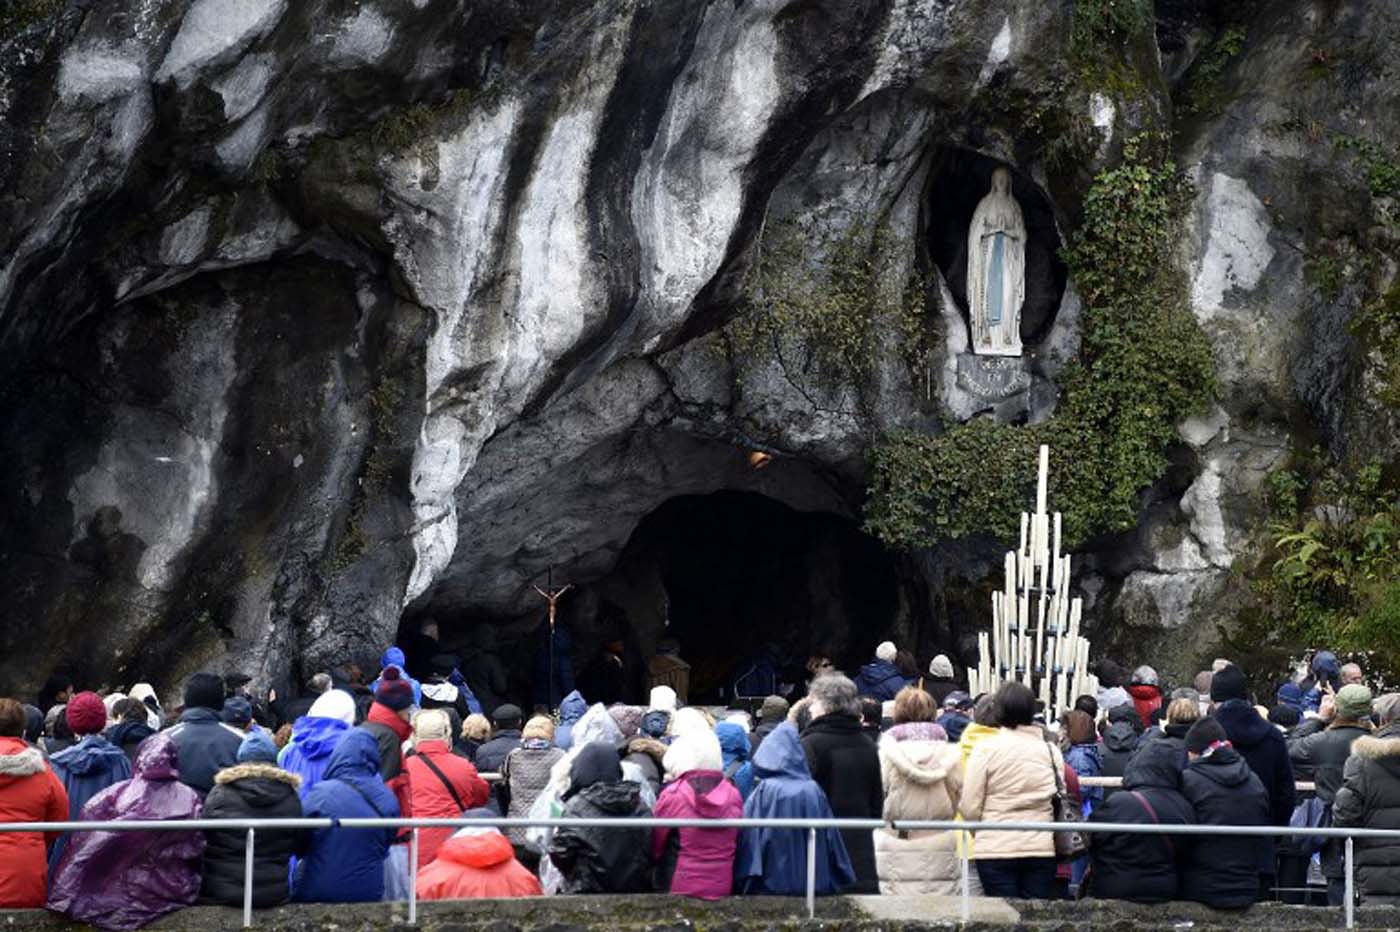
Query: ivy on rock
<point>1144,365</point>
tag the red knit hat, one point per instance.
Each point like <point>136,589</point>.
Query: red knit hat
<point>394,692</point>
<point>86,714</point>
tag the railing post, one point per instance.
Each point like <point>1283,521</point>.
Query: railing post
<point>1350,893</point>
<point>413,879</point>
<point>966,882</point>
<point>248,879</point>
<point>811,873</point>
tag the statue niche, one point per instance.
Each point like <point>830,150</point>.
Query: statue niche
<point>996,270</point>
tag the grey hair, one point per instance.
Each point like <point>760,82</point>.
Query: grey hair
<point>835,693</point>
<point>1386,708</point>
<point>321,682</point>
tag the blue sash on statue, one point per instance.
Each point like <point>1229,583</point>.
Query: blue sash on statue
<point>994,278</point>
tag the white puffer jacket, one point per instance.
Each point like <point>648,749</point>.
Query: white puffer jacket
<point>923,780</point>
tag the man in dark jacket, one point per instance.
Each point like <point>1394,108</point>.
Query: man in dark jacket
<point>602,860</point>
<point>491,755</point>
<point>1142,867</point>
<point>846,765</point>
<point>957,714</point>
<point>880,679</point>
<point>771,714</point>
<point>1222,871</point>
<point>1370,798</point>
<point>254,788</point>
<point>1263,748</point>
<point>205,743</point>
<point>1120,740</point>
<point>1322,745</point>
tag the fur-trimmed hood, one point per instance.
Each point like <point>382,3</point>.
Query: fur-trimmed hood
<point>649,746</point>
<point>252,771</point>
<point>22,763</point>
<point>922,762</point>
<point>1375,747</point>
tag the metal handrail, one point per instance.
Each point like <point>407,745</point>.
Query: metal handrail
<point>811,826</point>
<point>1301,786</point>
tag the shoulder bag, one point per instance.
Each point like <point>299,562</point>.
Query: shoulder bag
<point>1070,843</point>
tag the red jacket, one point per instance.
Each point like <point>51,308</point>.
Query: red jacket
<point>1146,700</point>
<point>480,865</point>
<point>29,792</point>
<point>432,799</point>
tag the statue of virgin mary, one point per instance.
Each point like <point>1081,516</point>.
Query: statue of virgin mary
<point>996,270</point>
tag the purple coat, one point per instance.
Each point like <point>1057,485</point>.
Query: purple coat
<point>124,880</point>
<point>705,867</point>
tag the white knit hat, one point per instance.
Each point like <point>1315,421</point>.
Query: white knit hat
<point>432,725</point>
<point>663,698</point>
<point>334,703</point>
<point>941,666</point>
<point>886,651</point>
<point>694,751</point>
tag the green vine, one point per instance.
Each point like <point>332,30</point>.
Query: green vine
<point>1100,33</point>
<point>1200,93</point>
<point>1144,365</point>
<point>819,303</point>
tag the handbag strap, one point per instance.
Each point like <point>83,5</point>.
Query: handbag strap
<point>1059,778</point>
<point>445,782</point>
<point>1171,848</point>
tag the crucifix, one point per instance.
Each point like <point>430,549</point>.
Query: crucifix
<point>552,596</point>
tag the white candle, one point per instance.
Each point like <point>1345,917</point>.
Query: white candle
<point>1024,519</point>
<point>1043,480</point>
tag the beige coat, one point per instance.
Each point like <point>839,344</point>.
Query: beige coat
<point>1011,778</point>
<point>922,780</point>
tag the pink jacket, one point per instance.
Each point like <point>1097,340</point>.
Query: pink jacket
<point>705,867</point>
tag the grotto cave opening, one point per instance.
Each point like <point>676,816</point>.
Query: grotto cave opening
<point>732,577</point>
<point>959,180</point>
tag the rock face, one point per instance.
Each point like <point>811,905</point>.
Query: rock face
<point>318,315</point>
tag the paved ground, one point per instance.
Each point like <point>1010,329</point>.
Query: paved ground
<point>747,914</point>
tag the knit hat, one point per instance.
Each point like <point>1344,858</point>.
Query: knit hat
<point>1290,694</point>
<point>334,703</point>
<point>541,726</point>
<point>204,691</point>
<point>1353,702</point>
<point>957,699</point>
<point>774,709</point>
<point>886,651</point>
<point>1144,676</point>
<point>690,720</point>
<point>395,692</point>
<point>237,711</point>
<point>628,718</point>
<point>432,725</point>
<point>695,751</point>
<point>656,722</point>
<point>663,698</point>
<point>941,667</point>
<point>86,714</point>
<point>1229,683</point>
<point>1203,734</point>
<point>258,747</point>
<point>507,716</point>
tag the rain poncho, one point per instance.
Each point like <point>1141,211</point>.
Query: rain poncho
<point>734,742</point>
<point>86,769</point>
<point>308,753</point>
<point>124,880</point>
<point>774,860</point>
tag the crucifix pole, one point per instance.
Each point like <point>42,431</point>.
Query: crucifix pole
<point>552,596</point>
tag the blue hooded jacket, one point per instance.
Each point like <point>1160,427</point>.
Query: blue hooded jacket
<point>774,860</point>
<point>86,769</point>
<point>1087,761</point>
<point>346,865</point>
<point>1325,666</point>
<point>880,679</point>
<point>734,744</point>
<point>570,711</point>
<point>314,739</point>
<point>393,657</point>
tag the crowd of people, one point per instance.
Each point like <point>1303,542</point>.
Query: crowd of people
<point>887,744</point>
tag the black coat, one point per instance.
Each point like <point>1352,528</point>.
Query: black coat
<point>491,755</point>
<point>1370,798</point>
<point>206,746</point>
<point>1120,742</point>
<point>251,791</point>
<point>1263,748</point>
<point>604,860</point>
<point>846,765</point>
<point>1223,871</point>
<point>1144,868</point>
